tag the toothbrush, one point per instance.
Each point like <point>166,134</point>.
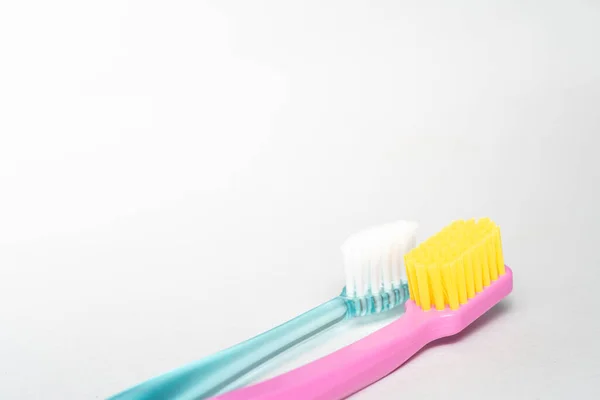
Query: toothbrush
<point>454,278</point>
<point>374,265</point>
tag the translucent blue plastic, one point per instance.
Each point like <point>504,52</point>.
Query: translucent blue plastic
<point>376,303</point>
<point>213,374</point>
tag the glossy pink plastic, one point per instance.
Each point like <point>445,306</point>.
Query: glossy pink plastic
<point>364,362</point>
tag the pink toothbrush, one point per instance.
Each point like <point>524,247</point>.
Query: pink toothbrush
<point>462,284</point>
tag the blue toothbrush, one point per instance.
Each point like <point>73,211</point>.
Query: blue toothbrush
<point>375,282</point>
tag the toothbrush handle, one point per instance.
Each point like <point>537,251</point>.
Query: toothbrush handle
<point>350,369</point>
<point>212,374</point>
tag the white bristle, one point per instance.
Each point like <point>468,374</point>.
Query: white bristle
<point>375,267</point>
<point>374,258</point>
<point>386,266</point>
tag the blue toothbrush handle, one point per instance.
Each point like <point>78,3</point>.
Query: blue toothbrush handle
<point>210,375</point>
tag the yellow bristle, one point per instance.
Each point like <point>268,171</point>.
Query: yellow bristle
<point>470,280</point>
<point>449,273</point>
<point>499,254</point>
<point>424,294</point>
<point>477,273</point>
<point>455,264</point>
<point>484,263</point>
<point>461,280</point>
<point>470,224</point>
<point>436,287</point>
<point>491,255</point>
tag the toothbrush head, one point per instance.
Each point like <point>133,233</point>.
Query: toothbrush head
<point>374,265</point>
<point>453,266</point>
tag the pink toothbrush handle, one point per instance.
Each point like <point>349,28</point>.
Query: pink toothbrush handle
<point>346,371</point>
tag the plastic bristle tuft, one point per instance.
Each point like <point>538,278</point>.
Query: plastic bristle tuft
<point>455,264</point>
<point>374,259</point>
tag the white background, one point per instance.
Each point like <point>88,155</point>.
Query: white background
<point>178,176</point>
